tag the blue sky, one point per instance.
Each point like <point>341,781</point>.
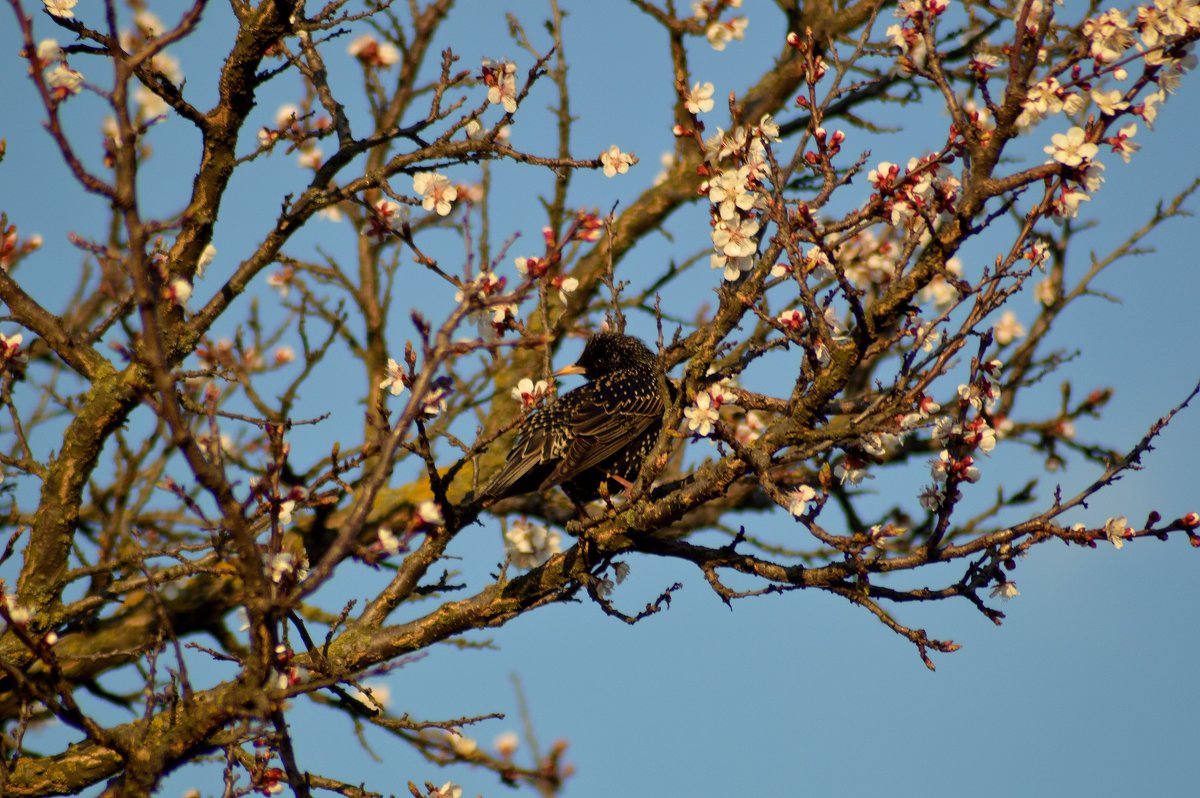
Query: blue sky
<point>1088,688</point>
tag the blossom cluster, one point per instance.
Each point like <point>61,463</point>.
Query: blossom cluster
<point>435,399</point>
<point>1110,36</point>
<point>283,567</point>
<point>983,392</point>
<point>63,9</point>
<point>1159,26</point>
<point>926,190</point>
<point>870,259</point>
<point>482,289</point>
<point>585,227</point>
<point>705,410</point>
<point>433,403</point>
<point>148,26</point>
<point>941,290</point>
<point>293,124</point>
<point>1074,150</point>
<point>851,469</point>
<point>794,323</point>
<point>866,259</point>
<point>372,53</point>
<point>737,163</point>
<point>61,80</point>
<point>917,16</point>
<point>529,545</point>
<point>960,442</point>
<point>720,32</point>
<point>223,354</point>
<point>748,427</point>
<point>1047,98</point>
<point>176,288</point>
<point>501,81</point>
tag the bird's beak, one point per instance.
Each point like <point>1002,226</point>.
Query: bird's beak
<point>574,368</point>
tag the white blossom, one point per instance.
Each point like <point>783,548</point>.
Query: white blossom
<point>1071,148</point>
<point>501,80</point>
<point>529,545</point>
<point>730,192</point>
<point>528,392</point>
<point>63,9</point>
<point>1005,590</point>
<point>206,257</point>
<point>374,694</point>
<point>49,51</point>
<point>1109,34</point>
<point>396,379</point>
<point>702,415</point>
<point>436,192</point>
<point>616,162</point>
<point>372,53</point>
<point>720,34</point>
<point>1109,102</point>
<point>430,513</point>
<point>799,499</point>
<point>733,267</point>
<point>179,290</point>
<point>1008,328</point>
<point>699,99</point>
<point>793,319</point>
<point>565,285</point>
<point>389,542</point>
<point>736,239</point>
<point>462,745</point>
<point>281,564</point>
<point>506,744</point>
<point>64,80</point>
<point>1115,529</point>
<point>19,614</point>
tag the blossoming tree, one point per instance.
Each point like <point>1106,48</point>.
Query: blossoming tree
<point>176,516</point>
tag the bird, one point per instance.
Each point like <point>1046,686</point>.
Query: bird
<point>599,432</point>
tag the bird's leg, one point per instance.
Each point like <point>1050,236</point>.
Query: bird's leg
<point>624,483</point>
<point>626,487</point>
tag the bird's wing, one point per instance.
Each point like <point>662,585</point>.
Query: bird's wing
<point>608,415</point>
<point>533,455</point>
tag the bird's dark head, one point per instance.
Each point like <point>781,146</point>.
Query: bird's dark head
<point>607,352</point>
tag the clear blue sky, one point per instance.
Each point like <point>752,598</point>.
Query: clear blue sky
<point>1088,688</point>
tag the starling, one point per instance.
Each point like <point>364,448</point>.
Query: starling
<point>601,431</point>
